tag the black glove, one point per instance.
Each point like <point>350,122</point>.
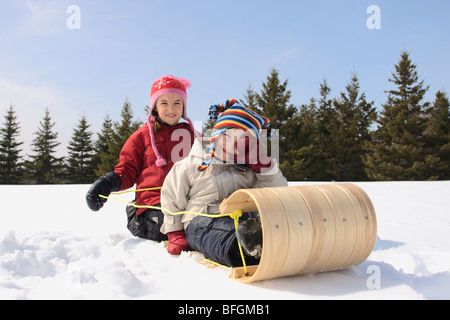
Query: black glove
<point>103,186</point>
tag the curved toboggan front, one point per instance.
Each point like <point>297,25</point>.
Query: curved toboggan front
<point>307,229</point>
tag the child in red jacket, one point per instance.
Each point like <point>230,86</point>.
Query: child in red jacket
<point>148,155</point>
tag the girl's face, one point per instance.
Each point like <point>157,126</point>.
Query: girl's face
<point>170,108</point>
<point>226,144</point>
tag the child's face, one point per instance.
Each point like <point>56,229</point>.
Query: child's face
<point>170,108</point>
<point>226,144</point>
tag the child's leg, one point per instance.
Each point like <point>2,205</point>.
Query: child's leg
<point>146,225</point>
<point>216,239</point>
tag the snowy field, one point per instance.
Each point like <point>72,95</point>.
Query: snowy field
<point>53,247</point>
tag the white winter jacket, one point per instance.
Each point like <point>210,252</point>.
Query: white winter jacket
<point>187,189</point>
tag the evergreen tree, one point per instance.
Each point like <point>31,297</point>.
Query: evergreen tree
<point>11,170</point>
<point>398,149</point>
<point>101,145</point>
<point>323,140</point>
<point>249,100</point>
<point>349,129</point>
<point>81,166</point>
<point>44,167</point>
<point>304,159</point>
<point>122,131</point>
<point>208,125</point>
<point>273,103</point>
<point>437,138</point>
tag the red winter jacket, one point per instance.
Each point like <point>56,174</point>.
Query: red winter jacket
<point>137,159</point>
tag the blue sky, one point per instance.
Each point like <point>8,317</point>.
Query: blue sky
<point>222,47</point>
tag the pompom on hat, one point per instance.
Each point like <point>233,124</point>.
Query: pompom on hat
<point>166,85</point>
<point>233,116</point>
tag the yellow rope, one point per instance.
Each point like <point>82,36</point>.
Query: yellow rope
<point>139,190</point>
<point>216,263</point>
<point>166,210</point>
<point>235,215</point>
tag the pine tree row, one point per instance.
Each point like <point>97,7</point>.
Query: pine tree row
<point>340,139</point>
<point>336,139</point>
<point>87,159</point>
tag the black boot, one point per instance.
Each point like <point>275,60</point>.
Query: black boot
<point>249,234</point>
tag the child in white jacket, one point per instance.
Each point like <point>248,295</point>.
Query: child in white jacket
<point>233,160</point>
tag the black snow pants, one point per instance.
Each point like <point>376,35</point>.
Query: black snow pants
<point>146,225</point>
<point>216,239</point>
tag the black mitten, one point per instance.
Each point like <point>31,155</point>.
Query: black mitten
<point>103,186</point>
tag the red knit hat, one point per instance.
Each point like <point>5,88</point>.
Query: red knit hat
<point>165,85</point>
<point>169,84</point>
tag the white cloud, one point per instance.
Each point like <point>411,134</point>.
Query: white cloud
<point>283,56</point>
<point>43,18</point>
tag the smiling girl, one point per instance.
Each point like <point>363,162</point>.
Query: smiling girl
<point>148,155</point>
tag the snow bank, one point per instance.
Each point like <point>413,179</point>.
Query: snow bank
<point>53,247</point>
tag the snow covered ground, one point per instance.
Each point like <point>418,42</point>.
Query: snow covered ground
<point>53,247</point>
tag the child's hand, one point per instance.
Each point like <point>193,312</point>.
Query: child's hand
<point>247,149</point>
<point>251,154</point>
<point>177,242</point>
<point>103,186</point>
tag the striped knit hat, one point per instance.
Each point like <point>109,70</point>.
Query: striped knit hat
<point>234,116</point>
